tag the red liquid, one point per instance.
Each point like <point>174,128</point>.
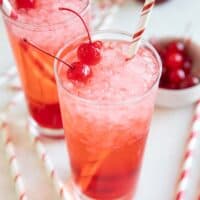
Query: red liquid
<point>36,71</point>
<point>115,174</point>
<point>46,115</point>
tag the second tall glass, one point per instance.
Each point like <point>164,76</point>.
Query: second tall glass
<point>49,29</point>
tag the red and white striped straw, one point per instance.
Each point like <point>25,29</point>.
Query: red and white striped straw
<point>50,169</point>
<point>13,163</point>
<point>8,9</point>
<point>189,156</point>
<point>144,18</point>
<point>59,186</point>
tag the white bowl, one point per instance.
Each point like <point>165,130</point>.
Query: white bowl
<point>178,98</point>
<point>181,97</point>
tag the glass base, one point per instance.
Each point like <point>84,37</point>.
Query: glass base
<point>44,132</point>
<point>78,195</point>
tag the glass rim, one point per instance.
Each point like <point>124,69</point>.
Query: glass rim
<point>133,99</point>
<point>37,25</point>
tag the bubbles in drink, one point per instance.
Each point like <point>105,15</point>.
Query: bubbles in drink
<point>115,77</point>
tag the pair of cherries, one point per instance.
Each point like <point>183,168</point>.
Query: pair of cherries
<point>177,66</point>
<point>88,53</point>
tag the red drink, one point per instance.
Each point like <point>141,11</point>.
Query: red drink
<point>106,120</point>
<point>48,28</point>
<point>39,84</point>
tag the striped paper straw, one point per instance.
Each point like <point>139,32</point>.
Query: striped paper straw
<point>8,9</point>
<point>13,163</point>
<point>144,18</point>
<point>189,156</point>
<point>50,169</point>
<point>59,186</point>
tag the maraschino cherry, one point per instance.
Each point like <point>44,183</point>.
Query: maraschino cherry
<point>177,66</point>
<point>176,46</point>
<point>189,81</point>
<point>88,53</point>
<point>77,71</point>
<point>26,4</point>
<point>176,76</point>
<point>174,60</point>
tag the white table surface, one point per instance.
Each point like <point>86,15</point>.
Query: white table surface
<point>169,128</point>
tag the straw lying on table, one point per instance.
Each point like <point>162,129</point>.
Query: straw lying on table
<point>13,163</point>
<point>10,151</point>
<point>8,9</point>
<point>8,144</point>
<point>49,167</point>
<point>189,156</point>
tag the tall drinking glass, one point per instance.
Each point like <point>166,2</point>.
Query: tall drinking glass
<point>49,29</point>
<point>106,120</point>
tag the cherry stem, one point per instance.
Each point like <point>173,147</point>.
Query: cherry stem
<point>70,66</point>
<point>78,15</point>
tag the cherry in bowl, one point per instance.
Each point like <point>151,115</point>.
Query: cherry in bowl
<point>179,84</point>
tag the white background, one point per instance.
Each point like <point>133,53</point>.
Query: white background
<point>169,129</point>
